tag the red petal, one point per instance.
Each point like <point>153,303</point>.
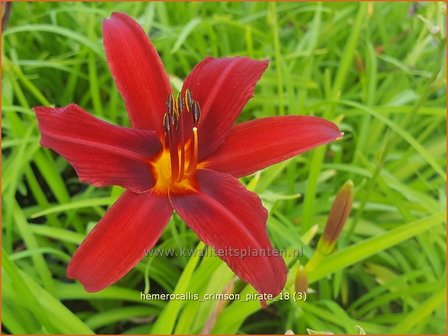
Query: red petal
<point>119,240</point>
<point>257,144</point>
<point>138,71</point>
<point>222,86</point>
<point>101,153</point>
<point>229,218</point>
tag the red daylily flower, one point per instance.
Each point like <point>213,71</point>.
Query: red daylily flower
<point>181,153</point>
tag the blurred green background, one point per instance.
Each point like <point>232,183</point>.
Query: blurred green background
<point>376,69</point>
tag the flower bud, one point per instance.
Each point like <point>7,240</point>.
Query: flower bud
<point>339,212</point>
<point>301,283</point>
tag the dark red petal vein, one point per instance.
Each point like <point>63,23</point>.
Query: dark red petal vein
<point>101,153</point>
<point>222,86</point>
<point>118,242</point>
<point>257,144</point>
<point>229,218</point>
<point>138,71</point>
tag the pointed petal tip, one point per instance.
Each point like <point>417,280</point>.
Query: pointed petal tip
<point>332,127</point>
<point>115,15</point>
<point>71,271</point>
<point>87,288</point>
<point>40,109</point>
<point>92,289</point>
<point>118,16</point>
<point>53,109</point>
<point>265,62</point>
<point>72,274</point>
<point>108,20</point>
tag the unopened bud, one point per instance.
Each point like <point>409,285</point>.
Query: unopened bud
<point>339,212</point>
<point>301,283</point>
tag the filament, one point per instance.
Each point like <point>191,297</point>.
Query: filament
<point>194,159</point>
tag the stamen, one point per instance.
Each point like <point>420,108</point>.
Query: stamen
<point>194,158</point>
<point>170,104</point>
<point>181,145</point>
<point>185,113</point>
<point>180,103</point>
<point>188,99</point>
<point>196,113</point>
<point>182,152</point>
<point>166,124</point>
<point>175,119</point>
<point>170,124</point>
<point>174,154</point>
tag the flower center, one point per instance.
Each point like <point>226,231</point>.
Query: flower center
<point>179,159</point>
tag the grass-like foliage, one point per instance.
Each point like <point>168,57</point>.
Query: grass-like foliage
<point>375,69</point>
